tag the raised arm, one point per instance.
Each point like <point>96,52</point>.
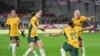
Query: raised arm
<point>88,28</point>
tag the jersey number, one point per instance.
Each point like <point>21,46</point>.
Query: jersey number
<point>73,35</point>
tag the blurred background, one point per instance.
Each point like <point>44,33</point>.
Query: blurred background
<point>56,13</point>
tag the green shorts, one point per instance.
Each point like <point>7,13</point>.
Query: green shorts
<point>73,50</point>
<point>33,39</point>
<point>14,37</point>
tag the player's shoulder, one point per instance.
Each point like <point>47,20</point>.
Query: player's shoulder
<point>83,16</point>
<point>34,18</point>
<point>73,19</point>
<point>17,17</point>
<point>8,19</point>
<point>66,27</point>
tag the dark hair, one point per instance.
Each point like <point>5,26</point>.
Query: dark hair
<point>11,11</point>
<point>33,13</point>
<point>71,24</point>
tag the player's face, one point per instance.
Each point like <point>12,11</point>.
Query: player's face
<point>77,13</point>
<point>39,14</point>
<point>13,13</point>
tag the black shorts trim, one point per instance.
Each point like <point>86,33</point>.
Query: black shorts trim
<point>80,38</point>
<point>14,37</point>
<point>33,39</point>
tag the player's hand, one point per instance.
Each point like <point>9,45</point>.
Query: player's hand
<point>92,26</point>
<point>89,28</point>
<point>92,18</point>
<point>42,29</point>
<point>23,33</point>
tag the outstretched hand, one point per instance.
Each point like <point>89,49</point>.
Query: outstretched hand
<point>23,33</point>
<point>42,29</point>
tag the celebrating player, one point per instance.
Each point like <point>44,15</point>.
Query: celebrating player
<point>71,33</point>
<point>78,20</point>
<point>13,22</point>
<point>33,38</point>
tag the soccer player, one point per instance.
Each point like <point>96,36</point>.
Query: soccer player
<point>33,38</point>
<point>13,22</point>
<point>78,21</point>
<point>72,43</point>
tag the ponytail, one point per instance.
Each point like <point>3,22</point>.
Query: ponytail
<point>33,13</point>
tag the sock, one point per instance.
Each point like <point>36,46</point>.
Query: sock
<point>27,52</point>
<point>83,51</point>
<point>42,52</point>
<point>35,53</point>
<point>13,49</point>
<point>63,53</point>
<point>10,46</point>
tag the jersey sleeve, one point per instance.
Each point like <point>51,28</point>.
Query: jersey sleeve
<point>18,20</point>
<point>83,18</point>
<point>32,22</point>
<point>62,31</point>
<point>72,19</point>
<point>8,21</point>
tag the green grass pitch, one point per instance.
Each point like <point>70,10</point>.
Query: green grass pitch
<point>51,45</point>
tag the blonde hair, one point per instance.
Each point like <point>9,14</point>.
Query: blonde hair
<point>76,12</point>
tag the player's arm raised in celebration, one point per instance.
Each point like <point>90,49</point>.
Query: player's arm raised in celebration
<point>91,18</point>
<point>56,34</point>
<point>42,29</point>
<point>88,28</point>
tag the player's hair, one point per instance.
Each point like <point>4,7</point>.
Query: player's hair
<point>12,10</point>
<point>77,11</point>
<point>33,13</point>
<point>71,24</point>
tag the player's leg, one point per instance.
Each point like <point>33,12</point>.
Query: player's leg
<point>17,41</point>
<point>62,50</point>
<point>83,50</point>
<point>10,45</point>
<point>35,53</point>
<point>66,47</point>
<point>40,45</point>
<point>13,46</point>
<point>31,48</point>
<point>81,46</point>
<point>74,51</point>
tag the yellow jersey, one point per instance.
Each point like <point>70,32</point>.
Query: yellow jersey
<point>72,36</point>
<point>79,22</point>
<point>33,28</point>
<point>78,30</point>
<point>13,23</point>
